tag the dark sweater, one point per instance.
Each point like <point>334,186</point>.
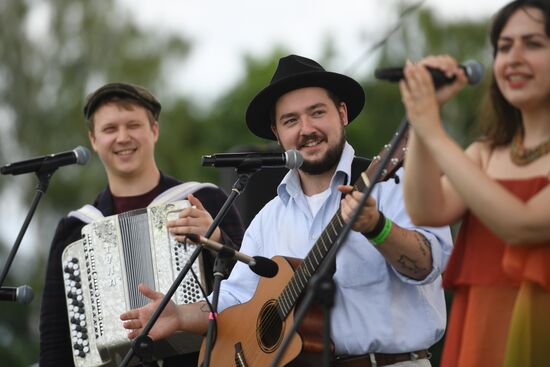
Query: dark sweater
<point>55,342</point>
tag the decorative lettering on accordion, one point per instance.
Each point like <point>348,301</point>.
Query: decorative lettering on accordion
<point>101,274</point>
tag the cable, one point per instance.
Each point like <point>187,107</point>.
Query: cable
<point>368,52</point>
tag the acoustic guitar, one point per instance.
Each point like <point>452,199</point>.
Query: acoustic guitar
<point>250,334</point>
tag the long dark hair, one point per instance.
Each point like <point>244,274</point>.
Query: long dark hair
<point>500,120</point>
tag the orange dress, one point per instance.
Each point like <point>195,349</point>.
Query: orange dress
<point>501,304</point>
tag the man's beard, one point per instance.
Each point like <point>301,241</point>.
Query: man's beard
<point>329,161</point>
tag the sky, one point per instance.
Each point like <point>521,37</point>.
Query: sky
<point>223,31</point>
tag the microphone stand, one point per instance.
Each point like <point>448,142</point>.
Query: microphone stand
<point>41,187</point>
<point>244,172</point>
<point>322,280</point>
<point>142,346</point>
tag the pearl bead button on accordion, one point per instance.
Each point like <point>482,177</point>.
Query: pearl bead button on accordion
<point>101,275</point>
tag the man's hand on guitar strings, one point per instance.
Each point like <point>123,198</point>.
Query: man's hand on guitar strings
<point>369,213</point>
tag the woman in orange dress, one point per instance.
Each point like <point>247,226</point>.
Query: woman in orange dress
<point>498,187</point>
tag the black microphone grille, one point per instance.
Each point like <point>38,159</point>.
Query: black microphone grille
<point>474,71</point>
<point>265,267</point>
<point>82,155</point>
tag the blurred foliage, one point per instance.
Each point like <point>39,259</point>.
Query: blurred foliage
<point>54,52</point>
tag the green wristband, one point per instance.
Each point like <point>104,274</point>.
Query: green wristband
<point>384,233</point>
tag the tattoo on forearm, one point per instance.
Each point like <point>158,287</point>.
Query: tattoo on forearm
<point>424,245</point>
<point>410,264</point>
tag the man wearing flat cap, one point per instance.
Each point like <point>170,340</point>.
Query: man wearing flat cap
<point>389,307</point>
<point>123,130</point>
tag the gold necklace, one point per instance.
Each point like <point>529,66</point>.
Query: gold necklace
<point>523,156</point>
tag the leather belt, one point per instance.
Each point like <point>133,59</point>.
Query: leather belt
<point>379,359</point>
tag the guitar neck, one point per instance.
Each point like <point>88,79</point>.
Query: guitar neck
<point>314,259</point>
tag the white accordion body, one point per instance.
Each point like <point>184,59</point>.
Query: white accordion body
<point>102,272</point>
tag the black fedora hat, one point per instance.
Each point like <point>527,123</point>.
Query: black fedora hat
<point>295,72</point>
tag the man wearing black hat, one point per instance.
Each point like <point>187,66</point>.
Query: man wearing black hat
<point>389,306</point>
<point>123,130</point>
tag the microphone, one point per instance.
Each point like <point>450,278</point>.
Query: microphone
<point>79,155</point>
<point>23,294</point>
<point>260,265</point>
<point>290,159</point>
<point>472,68</point>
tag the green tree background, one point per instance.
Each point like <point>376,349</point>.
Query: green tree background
<point>45,75</point>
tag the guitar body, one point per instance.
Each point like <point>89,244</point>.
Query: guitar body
<point>256,330</point>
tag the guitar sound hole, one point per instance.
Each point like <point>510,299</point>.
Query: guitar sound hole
<point>269,327</point>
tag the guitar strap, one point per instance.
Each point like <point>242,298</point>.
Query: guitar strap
<point>358,166</point>
<point>89,213</point>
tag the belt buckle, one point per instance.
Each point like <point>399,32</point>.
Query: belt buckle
<point>415,356</point>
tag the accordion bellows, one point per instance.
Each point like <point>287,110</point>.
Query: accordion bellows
<point>102,272</point>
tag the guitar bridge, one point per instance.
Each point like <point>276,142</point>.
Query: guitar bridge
<point>239,356</point>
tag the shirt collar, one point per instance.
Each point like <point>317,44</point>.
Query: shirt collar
<point>290,185</point>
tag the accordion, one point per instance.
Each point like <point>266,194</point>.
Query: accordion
<point>102,271</point>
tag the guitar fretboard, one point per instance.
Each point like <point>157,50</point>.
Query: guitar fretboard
<point>315,257</point>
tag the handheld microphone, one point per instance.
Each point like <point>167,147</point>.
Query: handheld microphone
<point>23,294</point>
<point>80,155</point>
<point>260,265</point>
<point>472,68</point>
<point>290,159</point>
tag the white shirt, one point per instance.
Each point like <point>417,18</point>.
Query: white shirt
<point>316,201</point>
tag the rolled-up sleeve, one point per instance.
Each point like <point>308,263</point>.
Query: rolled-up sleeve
<point>390,199</point>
